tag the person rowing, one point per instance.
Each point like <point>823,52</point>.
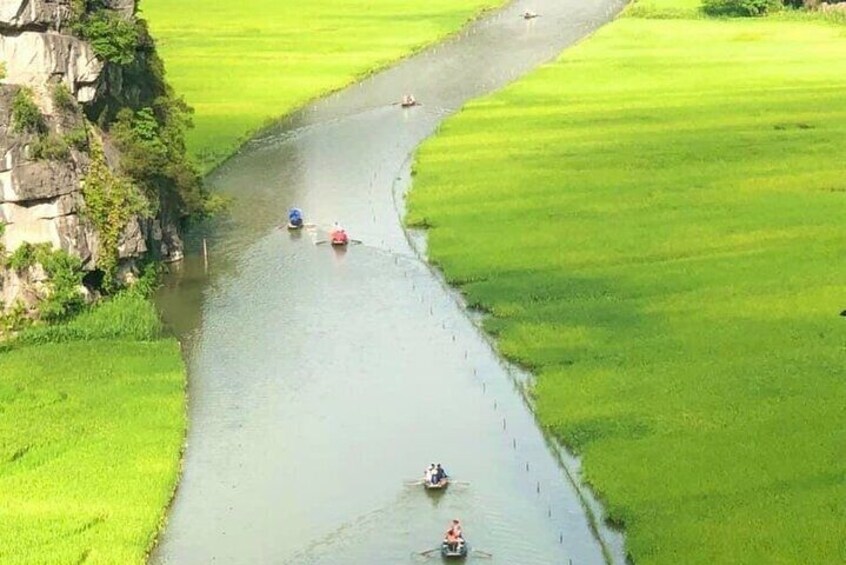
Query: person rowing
<point>454,536</point>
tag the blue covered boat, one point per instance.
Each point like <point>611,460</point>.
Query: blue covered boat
<point>295,219</point>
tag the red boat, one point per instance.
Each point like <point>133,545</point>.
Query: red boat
<point>339,237</point>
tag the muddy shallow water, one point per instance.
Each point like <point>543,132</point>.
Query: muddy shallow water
<point>321,380</point>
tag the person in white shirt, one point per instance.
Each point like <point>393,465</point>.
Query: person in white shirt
<point>429,475</point>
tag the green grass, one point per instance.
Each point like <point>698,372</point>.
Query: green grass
<point>126,316</point>
<point>656,224</point>
<point>241,64</point>
<point>90,437</point>
<point>665,9</point>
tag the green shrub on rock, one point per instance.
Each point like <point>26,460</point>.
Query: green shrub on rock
<point>64,272</point>
<point>111,201</point>
<point>740,8</point>
<point>64,298</point>
<point>152,145</point>
<point>62,97</point>
<point>77,138</point>
<point>113,38</point>
<point>50,147</point>
<point>26,116</point>
<point>23,257</point>
<point>146,119</point>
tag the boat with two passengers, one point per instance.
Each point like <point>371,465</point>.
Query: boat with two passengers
<point>435,478</point>
<point>440,485</point>
<point>295,219</point>
<point>408,101</point>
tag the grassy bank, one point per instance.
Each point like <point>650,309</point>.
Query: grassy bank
<point>241,64</point>
<point>92,416</point>
<point>655,222</point>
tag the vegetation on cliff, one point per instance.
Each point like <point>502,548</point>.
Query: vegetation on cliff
<point>111,200</point>
<point>663,249</point>
<point>114,38</point>
<point>129,141</point>
<point>26,117</point>
<point>149,120</point>
<point>135,119</point>
<point>60,297</point>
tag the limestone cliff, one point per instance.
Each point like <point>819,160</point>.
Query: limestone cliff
<point>43,167</point>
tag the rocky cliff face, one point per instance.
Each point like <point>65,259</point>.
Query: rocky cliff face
<point>41,191</point>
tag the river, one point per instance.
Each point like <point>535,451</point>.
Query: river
<point>322,380</point>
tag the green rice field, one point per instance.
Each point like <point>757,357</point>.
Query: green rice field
<point>242,64</point>
<point>91,430</point>
<point>655,224</point>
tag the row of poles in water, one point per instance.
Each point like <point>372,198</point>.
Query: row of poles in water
<point>484,385</point>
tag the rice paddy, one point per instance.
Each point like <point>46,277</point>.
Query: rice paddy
<point>91,429</point>
<point>243,64</point>
<point>654,223</point>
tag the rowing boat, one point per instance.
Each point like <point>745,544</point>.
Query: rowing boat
<point>457,552</point>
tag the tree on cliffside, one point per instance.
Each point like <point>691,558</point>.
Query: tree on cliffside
<point>138,106</point>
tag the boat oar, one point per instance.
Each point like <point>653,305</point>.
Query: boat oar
<point>462,483</point>
<point>428,552</point>
<point>482,553</point>
<point>414,483</point>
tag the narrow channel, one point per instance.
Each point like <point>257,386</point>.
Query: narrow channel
<point>321,380</point>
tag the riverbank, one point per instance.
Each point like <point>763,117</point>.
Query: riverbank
<point>93,420</point>
<point>662,251</point>
<point>243,65</point>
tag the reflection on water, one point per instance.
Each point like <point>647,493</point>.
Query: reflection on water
<point>323,379</point>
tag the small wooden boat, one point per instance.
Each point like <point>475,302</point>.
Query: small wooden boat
<point>408,101</point>
<point>339,238</point>
<point>440,485</point>
<point>529,15</point>
<point>457,552</point>
<point>295,219</point>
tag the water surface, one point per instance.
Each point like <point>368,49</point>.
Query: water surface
<point>321,380</point>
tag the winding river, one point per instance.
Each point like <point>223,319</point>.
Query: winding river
<point>322,380</point>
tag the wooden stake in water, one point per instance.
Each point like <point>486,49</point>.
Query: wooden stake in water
<point>205,255</point>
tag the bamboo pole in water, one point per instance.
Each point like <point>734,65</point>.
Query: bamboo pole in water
<point>205,255</point>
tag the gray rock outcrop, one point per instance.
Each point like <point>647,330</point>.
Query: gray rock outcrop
<point>34,14</point>
<point>41,199</point>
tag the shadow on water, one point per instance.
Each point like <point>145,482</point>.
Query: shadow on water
<point>321,379</point>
